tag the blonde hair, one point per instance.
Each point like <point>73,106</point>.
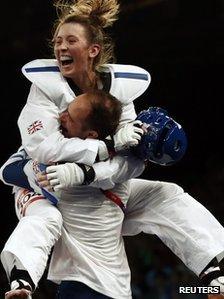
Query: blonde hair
<point>95,16</point>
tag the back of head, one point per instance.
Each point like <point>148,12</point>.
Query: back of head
<point>95,16</point>
<point>105,113</point>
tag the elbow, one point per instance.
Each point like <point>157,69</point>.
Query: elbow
<point>4,177</point>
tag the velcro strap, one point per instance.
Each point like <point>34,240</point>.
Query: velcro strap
<point>20,284</point>
<point>18,275</point>
<point>221,264</point>
<point>213,263</point>
<point>207,278</point>
<point>89,173</point>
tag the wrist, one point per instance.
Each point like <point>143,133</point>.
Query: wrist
<point>89,174</point>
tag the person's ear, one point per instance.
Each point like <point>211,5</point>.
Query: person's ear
<point>92,134</point>
<point>94,50</point>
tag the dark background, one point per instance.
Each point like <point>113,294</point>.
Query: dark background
<point>181,44</point>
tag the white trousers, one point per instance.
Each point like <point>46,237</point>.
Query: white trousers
<point>182,223</point>
<point>159,208</point>
<point>38,229</point>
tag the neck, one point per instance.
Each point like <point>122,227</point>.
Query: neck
<point>86,81</point>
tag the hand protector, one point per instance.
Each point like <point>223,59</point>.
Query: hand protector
<point>213,275</point>
<point>128,136</point>
<point>218,282</point>
<point>65,176</point>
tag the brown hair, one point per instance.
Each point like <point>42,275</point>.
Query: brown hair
<point>105,113</point>
<point>94,15</point>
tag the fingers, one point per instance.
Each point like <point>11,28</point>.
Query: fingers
<point>53,179</point>
<point>54,182</point>
<point>137,125</point>
<point>42,180</point>
<point>138,130</point>
<point>46,182</point>
<point>41,176</point>
<point>137,136</point>
<point>49,179</point>
<point>135,139</point>
<point>49,184</point>
<point>52,175</point>
<point>51,169</point>
<point>57,187</point>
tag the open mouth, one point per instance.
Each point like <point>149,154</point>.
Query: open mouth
<point>66,60</point>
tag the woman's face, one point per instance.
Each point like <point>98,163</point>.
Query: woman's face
<point>72,50</point>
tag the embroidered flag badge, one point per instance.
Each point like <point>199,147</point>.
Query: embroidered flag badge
<point>34,127</point>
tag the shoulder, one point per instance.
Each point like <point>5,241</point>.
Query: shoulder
<point>46,75</point>
<point>128,82</point>
<point>39,70</point>
<point>40,66</point>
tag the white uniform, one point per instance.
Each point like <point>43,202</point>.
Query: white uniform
<point>91,233</point>
<point>39,127</point>
<point>50,94</point>
<point>184,225</point>
<point>91,249</point>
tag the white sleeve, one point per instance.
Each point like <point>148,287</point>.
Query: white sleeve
<point>128,114</point>
<point>41,137</point>
<point>120,168</point>
<point>117,170</point>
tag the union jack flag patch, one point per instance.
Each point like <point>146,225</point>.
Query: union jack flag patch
<point>35,126</point>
